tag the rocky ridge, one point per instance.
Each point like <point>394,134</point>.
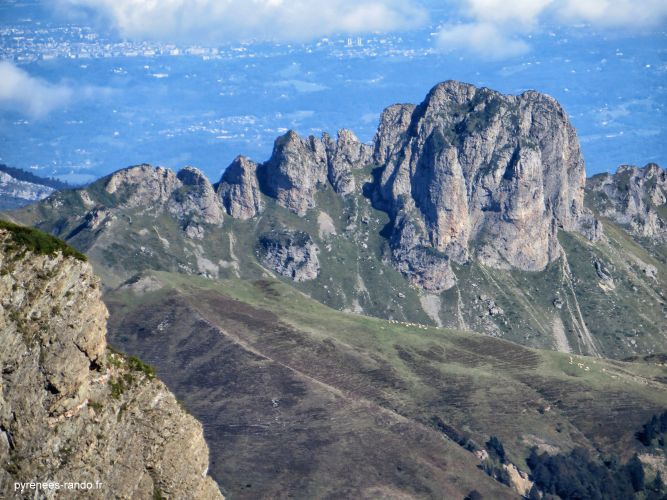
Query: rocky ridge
<point>239,189</point>
<point>467,174</point>
<point>299,167</point>
<point>71,410</point>
<point>294,173</point>
<point>633,197</point>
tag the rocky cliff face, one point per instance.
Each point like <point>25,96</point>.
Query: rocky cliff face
<point>70,409</point>
<point>296,170</point>
<point>142,186</point>
<point>467,174</point>
<point>634,197</point>
<point>187,195</point>
<point>345,155</point>
<point>474,173</point>
<point>195,198</point>
<point>290,253</point>
<point>239,189</point>
<point>299,167</point>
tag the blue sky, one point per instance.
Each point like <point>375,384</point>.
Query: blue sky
<point>311,65</point>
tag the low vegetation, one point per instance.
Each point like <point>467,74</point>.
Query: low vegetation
<point>578,475</point>
<point>139,366</point>
<point>653,431</point>
<point>267,356</point>
<point>126,367</point>
<point>39,242</point>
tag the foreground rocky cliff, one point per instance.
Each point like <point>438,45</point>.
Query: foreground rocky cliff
<point>72,410</point>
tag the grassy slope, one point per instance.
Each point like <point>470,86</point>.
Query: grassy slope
<point>272,373</point>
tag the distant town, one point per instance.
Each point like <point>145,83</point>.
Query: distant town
<point>25,45</point>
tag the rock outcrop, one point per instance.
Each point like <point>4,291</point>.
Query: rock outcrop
<point>71,410</point>
<point>296,170</point>
<point>142,185</point>
<point>290,253</point>
<point>633,197</point>
<point>478,173</point>
<point>195,199</point>
<point>344,156</point>
<point>187,195</point>
<point>299,167</point>
<point>239,189</point>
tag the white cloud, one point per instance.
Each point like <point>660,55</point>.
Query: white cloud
<point>29,95</point>
<point>484,39</point>
<point>614,13</point>
<point>218,20</point>
<point>494,28</point>
<point>523,12</point>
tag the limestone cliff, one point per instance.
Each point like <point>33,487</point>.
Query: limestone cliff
<point>289,253</point>
<point>474,173</point>
<point>296,170</point>
<point>468,173</point>
<point>71,410</point>
<point>195,198</point>
<point>344,156</point>
<point>187,195</point>
<point>299,167</point>
<point>239,190</point>
<point>142,186</point>
<point>634,197</point>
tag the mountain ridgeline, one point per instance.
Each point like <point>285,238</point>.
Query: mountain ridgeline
<point>470,210</point>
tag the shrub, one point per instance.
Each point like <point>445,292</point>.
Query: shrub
<point>496,449</point>
<point>653,429</point>
<point>139,366</point>
<point>576,475</point>
<point>635,472</point>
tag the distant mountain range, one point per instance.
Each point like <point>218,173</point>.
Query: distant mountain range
<point>19,187</point>
<point>470,212</point>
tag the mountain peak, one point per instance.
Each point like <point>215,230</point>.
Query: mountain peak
<point>238,189</point>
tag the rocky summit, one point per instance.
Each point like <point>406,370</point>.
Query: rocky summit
<point>470,173</point>
<point>71,409</point>
<point>470,210</point>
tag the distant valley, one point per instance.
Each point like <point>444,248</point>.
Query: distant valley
<point>19,188</point>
